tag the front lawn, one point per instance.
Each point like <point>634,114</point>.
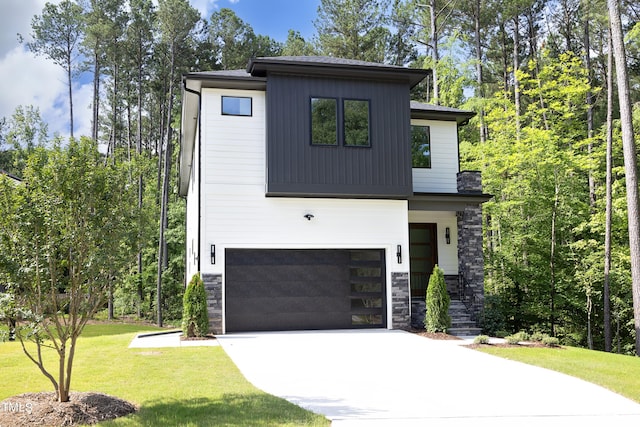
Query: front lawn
<point>613,371</point>
<point>188,386</point>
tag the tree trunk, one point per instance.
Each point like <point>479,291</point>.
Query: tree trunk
<point>609,203</point>
<point>96,97</point>
<point>70,83</point>
<point>552,255</point>
<point>479,75</point>
<point>434,50</point>
<point>516,66</point>
<point>630,161</point>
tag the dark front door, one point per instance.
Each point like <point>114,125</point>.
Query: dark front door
<point>423,256</point>
<point>289,289</point>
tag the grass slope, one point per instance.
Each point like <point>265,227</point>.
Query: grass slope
<point>616,372</point>
<point>189,386</point>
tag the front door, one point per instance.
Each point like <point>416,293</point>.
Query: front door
<point>423,256</point>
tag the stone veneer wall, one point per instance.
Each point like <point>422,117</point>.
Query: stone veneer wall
<point>213,288</point>
<point>470,256</point>
<point>400,301</point>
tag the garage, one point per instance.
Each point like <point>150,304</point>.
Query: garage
<point>298,289</point>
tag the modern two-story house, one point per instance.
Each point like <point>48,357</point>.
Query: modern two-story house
<point>320,197</point>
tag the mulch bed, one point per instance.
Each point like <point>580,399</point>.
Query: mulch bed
<point>42,409</point>
<point>433,335</point>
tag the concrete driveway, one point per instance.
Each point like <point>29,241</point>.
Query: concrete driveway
<point>384,377</point>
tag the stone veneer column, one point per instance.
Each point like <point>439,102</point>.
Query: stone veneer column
<point>213,287</point>
<point>470,256</point>
<point>400,301</point>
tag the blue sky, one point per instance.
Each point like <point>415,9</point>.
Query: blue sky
<point>275,17</point>
<point>29,80</point>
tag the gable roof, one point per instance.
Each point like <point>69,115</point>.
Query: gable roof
<point>438,112</point>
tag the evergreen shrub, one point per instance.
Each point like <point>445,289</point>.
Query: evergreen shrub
<point>481,339</point>
<point>551,341</point>
<point>437,313</point>
<point>195,319</point>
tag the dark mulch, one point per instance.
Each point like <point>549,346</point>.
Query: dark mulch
<point>433,335</point>
<point>42,409</point>
<point>205,337</point>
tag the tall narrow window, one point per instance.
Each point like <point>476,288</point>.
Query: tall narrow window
<point>324,121</point>
<point>356,123</point>
<point>420,146</point>
<point>236,106</point>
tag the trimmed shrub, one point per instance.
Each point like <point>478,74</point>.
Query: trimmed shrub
<point>523,336</point>
<point>551,341</point>
<point>512,339</point>
<point>437,313</point>
<point>481,339</point>
<point>195,318</point>
<point>538,336</point>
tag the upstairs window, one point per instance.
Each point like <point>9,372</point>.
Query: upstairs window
<point>237,106</point>
<point>324,121</point>
<point>356,123</point>
<point>420,146</point>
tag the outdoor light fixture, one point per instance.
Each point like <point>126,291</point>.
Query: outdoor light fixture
<point>213,254</point>
<point>399,254</point>
<point>447,235</point>
<point>308,216</point>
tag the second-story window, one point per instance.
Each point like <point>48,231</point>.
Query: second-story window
<point>324,121</point>
<point>236,106</point>
<point>420,146</point>
<point>356,123</point>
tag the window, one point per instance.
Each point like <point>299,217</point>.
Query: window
<point>420,147</point>
<point>324,121</point>
<point>236,106</point>
<point>356,123</point>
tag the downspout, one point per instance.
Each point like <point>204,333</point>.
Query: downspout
<point>186,89</point>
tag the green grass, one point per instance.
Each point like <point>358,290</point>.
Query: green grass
<point>188,386</point>
<point>613,371</point>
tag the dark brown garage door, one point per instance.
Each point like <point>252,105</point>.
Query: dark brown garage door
<point>282,289</point>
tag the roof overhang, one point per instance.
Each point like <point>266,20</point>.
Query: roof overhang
<point>335,67</point>
<point>446,201</point>
<point>438,112</point>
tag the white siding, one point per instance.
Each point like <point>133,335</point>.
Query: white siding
<point>236,213</point>
<point>192,253</point>
<point>441,177</point>
<point>447,253</point>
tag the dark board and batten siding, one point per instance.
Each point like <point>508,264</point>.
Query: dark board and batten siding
<point>297,168</point>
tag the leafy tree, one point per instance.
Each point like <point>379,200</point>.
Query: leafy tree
<point>195,318</point>
<point>437,315</point>
<point>57,34</point>
<point>64,233</point>
<point>353,29</point>
<point>296,45</point>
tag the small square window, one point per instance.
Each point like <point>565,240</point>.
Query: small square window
<point>236,106</point>
<point>356,123</point>
<point>420,147</point>
<point>324,121</point>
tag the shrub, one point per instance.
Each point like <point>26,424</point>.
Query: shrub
<point>523,336</point>
<point>481,339</point>
<point>551,341</point>
<point>195,319</point>
<point>501,334</point>
<point>513,339</point>
<point>437,315</point>
<point>493,316</point>
<point>538,336</point>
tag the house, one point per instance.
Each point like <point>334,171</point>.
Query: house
<point>319,196</point>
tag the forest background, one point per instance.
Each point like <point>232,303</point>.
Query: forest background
<point>535,72</point>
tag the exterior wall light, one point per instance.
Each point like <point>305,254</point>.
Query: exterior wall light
<point>399,254</point>
<point>213,254</point>
<point>308,216</point>
<point>447,235</point>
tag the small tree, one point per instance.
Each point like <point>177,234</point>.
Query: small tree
<point>195,319</point>
<point>437,316</point>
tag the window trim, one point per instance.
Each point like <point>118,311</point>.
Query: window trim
<point>428,127</point>
<point>344,123</point>
<point>222,109</point>
<point>337,121</point>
